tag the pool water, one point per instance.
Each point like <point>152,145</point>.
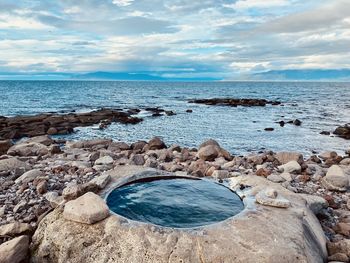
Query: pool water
<point>178,203</point>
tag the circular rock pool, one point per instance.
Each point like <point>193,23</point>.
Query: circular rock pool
<point>175,202</point>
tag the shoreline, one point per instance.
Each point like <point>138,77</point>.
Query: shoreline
<point>40,173</point>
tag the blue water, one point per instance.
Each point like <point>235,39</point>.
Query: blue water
<point>320,106</point>
<point>180,203</point>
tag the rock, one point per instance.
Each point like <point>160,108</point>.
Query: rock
<point>338,257</point>
<point>343,132</point>
<point>325,133</point>
<point>4,146</point>
<point>315,203</point>
<point>104,163</point>
<point>297,122</point>
<point>22,205</point>
<point>137,159</point>
<point>28,149</point>
<point>287,176</point>
<point>13,164</point>
<point>52,131</point>
<point>271,193</point>
<point>335,179</point>
<point>87,209</point>
<point>138,146</point>
<point>328,155</point>
<point>208,153</point>
<point>263,172</point>
<point>15,229</point>
<point>342,246</point>
<point>97,143</point>
<point>278,201</point>
<point>269,129</point>
<point>275,178</point>
<point>118,146</point>
<point>72,191</point>
<point>41,188</point>
<point>343,228</point>
<point>290,167</point>
<point>15,250</point>
<point>29,176</point>
<point>345,161</point>
<point>156,144</point>
<point>44,139</point>
<point>54,199</point>
<point>221,174</point>
<point>233,102</point>
<point>101,181</point>
<point>286,157</point>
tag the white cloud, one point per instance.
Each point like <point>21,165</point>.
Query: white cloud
<point>122,2</point>
<point>247,4</point>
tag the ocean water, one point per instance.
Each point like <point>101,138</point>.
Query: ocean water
<point>181,203</point>
<point>320,106</point>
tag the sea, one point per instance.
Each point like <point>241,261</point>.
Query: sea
<point>321,106</point>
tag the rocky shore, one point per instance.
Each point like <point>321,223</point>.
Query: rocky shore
<point>232,102</point>
<point>40,174</point>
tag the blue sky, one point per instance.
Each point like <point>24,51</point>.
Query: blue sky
<point>223,39</point>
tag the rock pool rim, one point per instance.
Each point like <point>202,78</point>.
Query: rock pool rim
<point>154,175</point>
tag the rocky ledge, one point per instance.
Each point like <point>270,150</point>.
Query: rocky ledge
<point>40,174</point>
<point>232,102</point>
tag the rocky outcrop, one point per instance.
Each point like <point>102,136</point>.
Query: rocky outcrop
<point>30,126</point>
<point>232,102</point>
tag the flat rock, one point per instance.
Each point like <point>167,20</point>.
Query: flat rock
<point>263,198</point>
<point>13,164</point>
<point>29,176</point>
<point>15,250</point>
<point>101,181</point>
<point>28,149</point>
<point>286,157</point>
<point>275,178</point>
<point>87,209</point>
<point>15,229</point>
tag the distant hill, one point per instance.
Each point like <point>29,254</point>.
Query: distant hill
<point>308,74</point>
<point>100,75</point>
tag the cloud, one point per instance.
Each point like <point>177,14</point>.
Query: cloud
<point>248,4</point>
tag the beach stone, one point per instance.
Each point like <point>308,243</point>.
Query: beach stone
<point>156,144</point>
<point>287,176</point>
<point>328,155</point>
<point>14,164</point>
<point>41,188</point>
<point>138,146</point>
<point>315,203</point>
<point>4,146</point>
<point>29,176</point>
<point>72,191</point>
<point>102,143</point>
<point>15,229</point>
<point>263,172</point>
<point>336,179</point>
<point>221,174</point>
<point>345,161</point>
<point>271,193</point>
<point>54,199</point>
<point>118,146</point>
<point>278,201</point>
<point>343,229</point>
<point>290,167</point>
<point>342,246</point>
<point>275,178</point>
<point>28,149</point>
<point>101,181</point>
<point>15,250</point>
<point>338,257</point>
<point>44,139</point>
<point>87,209</point>
<point>104,163</point>
<point>137,159</point>
<point>208,153</point>
<point>286,157</point>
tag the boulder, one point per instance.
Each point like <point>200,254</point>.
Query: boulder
<point>101,181</point>
<point>87,209</point>
<point>137,159</point>
<point>72,191</point>
<point>290,167</point>
<point>208,153</point>
<point>264,197</point>
<point>4,146</point>
<point>44,139</point>
<point>104,163</point>
<point>28,149</point>
<point>328,155</point>
<point>13,164</point>
<point>343,131</point>
<point>29,176</point>
<point>15,250</point>
<point>315,203</point>
<point>54,199</point>
<point>335,179</point>
<point>221,174</point>
<point>286,157</point>
<point>156,144</point>
<point>275,178</point>
<point>15,229</point>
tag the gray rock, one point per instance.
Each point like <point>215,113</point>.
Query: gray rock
<point>28,149</point>
<point>208,153</point>
<point>275,178</point>
<point>336,179</point>
<point>44,139</point>
<point>87,209</point>
<point>101,181</point>
<point>278,201</point>
<point>29,176</point>
<point>137,159</point>
<point>54,199</point>
<point>221,174</point>
<point>72,191</point>
<point>15,250</point>
<point>286,157</point>
<point>315,203</point>
<point>15,229</point>
<point>14,164</point>
<point>290,167</point>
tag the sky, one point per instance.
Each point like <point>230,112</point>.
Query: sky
<point>219,39</point>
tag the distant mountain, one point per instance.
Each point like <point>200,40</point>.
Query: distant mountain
<point>307,74</point>
<point>116,76</point>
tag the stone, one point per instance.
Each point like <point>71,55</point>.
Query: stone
<point>338,257</point>
<point>221,174</point>
<point>41,188</point>
<point>328,155</point>
<point>156,144</point>
<point>336,179</point>
<point>101,181</point>
<point>44,139</point>
<point>15,229</point>
<point>29,176</point>
<point>54,199</point>
<point>345,161</point>
<point>286,157</point>
<point>342,246</point>
<point>5,145</point>
<point>271,193</point>
<point>278,201</point>
<point>208,153</point>
<point>275,178</point>
<point>28,149</point>
<point>137,159</point>
<point>315,203</point>
<point>287,176</point>
<point>15,250</point>
<point>263,172</point>
<point>290,167</point>
<point>343,228</point>
<point>87,209</point>
<point>104,163</point>
<point>14,164</point>
<point>72,191</point>
<point>22,205</point>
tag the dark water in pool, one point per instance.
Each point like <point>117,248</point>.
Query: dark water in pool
<point>180,203</point>
<point>320,106</point>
